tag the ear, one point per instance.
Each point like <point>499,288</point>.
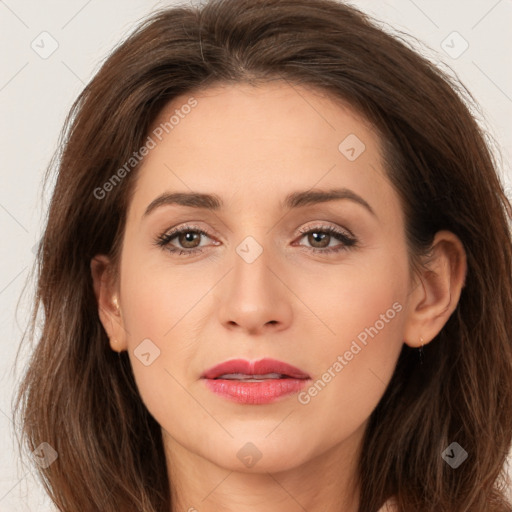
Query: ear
<point>109,307</point>
<point>437,293</point>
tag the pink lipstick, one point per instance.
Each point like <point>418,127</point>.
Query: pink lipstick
<point>256,382</point>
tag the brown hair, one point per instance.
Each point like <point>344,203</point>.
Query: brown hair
<point>80,396</point>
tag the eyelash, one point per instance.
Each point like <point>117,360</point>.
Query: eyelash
<point>349,241</point>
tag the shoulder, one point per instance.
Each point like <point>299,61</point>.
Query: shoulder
<point>389,506</point>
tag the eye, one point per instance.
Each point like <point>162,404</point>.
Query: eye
<point>321,236</point>
<point>189,238</point>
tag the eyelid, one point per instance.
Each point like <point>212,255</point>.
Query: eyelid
<point>343,235</point>
<point>304,229</point>
<point>172,232</point>
<point>321,226</point>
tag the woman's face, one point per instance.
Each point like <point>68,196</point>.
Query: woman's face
<point>268,280</point>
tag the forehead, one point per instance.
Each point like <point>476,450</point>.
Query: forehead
<point>276,111</point>
<point>252,144</point>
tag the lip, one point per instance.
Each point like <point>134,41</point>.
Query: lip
<point>254,393</point>
<point>260,367</point>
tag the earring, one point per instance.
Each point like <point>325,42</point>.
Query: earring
<point>115,303</point>
<point>420,352</point>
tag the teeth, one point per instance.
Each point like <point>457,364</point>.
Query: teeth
<point>250,378</point>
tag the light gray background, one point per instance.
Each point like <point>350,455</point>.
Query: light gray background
<point>36,93</point>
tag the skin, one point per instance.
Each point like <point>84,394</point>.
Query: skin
<point>252,146</point>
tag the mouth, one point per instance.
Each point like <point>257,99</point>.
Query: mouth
<point>252,383</point>
<point>264,369</point>
<point>252,378</point>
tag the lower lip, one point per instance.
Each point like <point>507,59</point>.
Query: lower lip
<point>254,393</point>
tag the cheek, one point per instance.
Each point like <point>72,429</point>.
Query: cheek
<point>364,314</point>
<point>159,304</point>
<point>351,296</point>
<point>158,297</point>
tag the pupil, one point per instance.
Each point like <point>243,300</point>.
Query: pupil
<point>189,238</point>
<point>323,236</point>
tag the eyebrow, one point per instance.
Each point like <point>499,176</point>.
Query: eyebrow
<point>293,200</point>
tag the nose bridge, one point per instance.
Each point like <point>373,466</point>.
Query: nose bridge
<point>253,296</point>
<point>251,280</point>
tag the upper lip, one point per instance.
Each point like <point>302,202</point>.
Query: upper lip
<point>261,367</point>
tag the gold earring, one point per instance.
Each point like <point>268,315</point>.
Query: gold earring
<point>116,303</point>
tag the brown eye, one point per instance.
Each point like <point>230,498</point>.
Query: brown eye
<point>320,238</point>
<point>188,239</point>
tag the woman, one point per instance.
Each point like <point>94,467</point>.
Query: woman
<point>276,275</point>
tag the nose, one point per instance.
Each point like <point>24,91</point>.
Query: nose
<point>254,297</point>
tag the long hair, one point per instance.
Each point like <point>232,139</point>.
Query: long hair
<point>80,397</point>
